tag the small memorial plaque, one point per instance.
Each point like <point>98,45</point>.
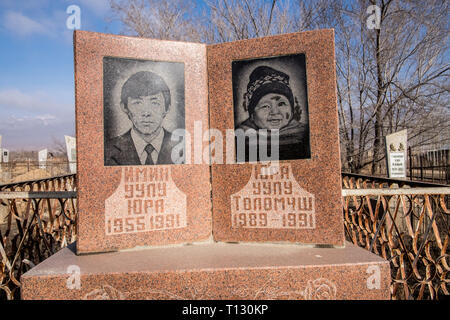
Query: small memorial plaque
<point>397,165</point>
<point>137,100</point>
<point>396,146</point>
<point>281,182</point>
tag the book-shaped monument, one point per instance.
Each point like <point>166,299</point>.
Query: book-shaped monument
<point>208,172</point>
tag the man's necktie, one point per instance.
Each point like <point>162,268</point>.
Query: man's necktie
<point>149,149</point>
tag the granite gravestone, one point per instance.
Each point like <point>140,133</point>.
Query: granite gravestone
<point>284,83</point>
<point>134,188</point>
<point>5,155</point>
<point>42,158</point>
<point>71,153</point>
<point>296,199</point>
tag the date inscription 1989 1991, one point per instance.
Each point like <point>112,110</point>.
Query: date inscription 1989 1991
<point>273,199</point>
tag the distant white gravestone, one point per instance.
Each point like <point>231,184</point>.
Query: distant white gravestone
<point>396,146</point>
<point>71,153</point>
<point>42,156</point>
<point>5,155</point>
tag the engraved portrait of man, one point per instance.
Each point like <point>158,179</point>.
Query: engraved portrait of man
<point>146,100</point>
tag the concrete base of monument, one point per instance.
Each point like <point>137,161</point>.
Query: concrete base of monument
<point>212,271</point>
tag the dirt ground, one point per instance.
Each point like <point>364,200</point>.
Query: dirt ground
<point>24,173</point>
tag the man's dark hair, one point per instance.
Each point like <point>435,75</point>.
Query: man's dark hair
<point>145,83</point>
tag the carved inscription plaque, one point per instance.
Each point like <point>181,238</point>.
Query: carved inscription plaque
<point>147,199</point>
<point>272,198</point>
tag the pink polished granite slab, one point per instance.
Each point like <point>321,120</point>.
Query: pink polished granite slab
<point>314,183</point>
<point>114,212</point>
<point>212,271</point>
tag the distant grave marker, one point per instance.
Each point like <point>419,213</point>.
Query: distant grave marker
<point>396,153</point>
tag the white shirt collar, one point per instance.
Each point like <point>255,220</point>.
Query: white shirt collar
<point>140,145</point>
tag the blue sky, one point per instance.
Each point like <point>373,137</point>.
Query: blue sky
<point>36,68</point>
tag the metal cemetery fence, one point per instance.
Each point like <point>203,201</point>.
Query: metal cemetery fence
<point>37,218</point>
<point>406,223</point>
<point>430,166</point>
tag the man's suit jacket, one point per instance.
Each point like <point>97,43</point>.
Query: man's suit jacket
<point>120,151</point>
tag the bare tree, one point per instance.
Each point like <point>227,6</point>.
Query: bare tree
<point>244,19</point>
<point>58,148</point>
<point>158,19</point>
<point>389,78</point>
<point>237,20</point>
<point>23,155</point>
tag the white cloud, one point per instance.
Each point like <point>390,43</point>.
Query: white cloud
<point>15,98</point>
<point>30,119</point>
<point>22,25</point>
<point>45,18</point>
<point>25,4</point>
<point>38,23</point>
<point>36,101</point>
<point>14,121</point>
<point>33,132</point>
<point>45,118</point>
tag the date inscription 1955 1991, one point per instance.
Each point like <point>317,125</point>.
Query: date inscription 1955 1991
<point>147,199</point>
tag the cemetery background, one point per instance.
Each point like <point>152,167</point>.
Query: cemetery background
<point>391,63</point>
<point>19,171</point>
<point>377,105</point>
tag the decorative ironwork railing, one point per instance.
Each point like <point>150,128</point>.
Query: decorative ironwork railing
<point>39,218</point>
<point>406,223</point>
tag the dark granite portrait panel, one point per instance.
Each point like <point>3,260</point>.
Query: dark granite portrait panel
<point>143,105</point>
<point>270,98</point>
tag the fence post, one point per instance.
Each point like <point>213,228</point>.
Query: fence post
<point>410,163</point>
<point>447,173</point>
<point>433,162</point>
<point>421,166</point>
